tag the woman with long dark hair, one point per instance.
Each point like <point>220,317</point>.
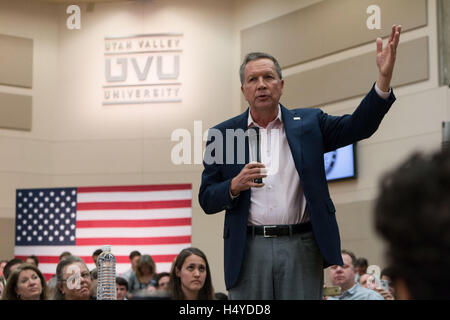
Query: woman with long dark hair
<point>190,277</point>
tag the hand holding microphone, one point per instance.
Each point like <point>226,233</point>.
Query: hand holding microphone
<point>247,178</point>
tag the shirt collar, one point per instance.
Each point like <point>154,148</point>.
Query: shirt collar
<point>352,290</point>
<point>251,123</point>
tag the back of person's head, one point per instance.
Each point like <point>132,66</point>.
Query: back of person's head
<point>64,255</point>
<point>413,214</point>
<point>362,262</point>
<point>11,263</point>
<point>388,272</point>
<point>10,292</point>
<point>175,288</point>
<point>97,253</point>
<point>220,296</point>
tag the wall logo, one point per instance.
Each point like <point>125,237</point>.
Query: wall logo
<point>142,69</point>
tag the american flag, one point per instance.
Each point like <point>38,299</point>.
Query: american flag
<point>153,219</point>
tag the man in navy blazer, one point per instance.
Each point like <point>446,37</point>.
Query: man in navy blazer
<point>277,244</point>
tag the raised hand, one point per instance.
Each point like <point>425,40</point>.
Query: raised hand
<point>386,58</point>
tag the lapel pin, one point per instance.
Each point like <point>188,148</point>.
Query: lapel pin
<point>296,118</point>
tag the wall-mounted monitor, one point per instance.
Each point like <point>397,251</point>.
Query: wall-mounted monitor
<point>341,163</point>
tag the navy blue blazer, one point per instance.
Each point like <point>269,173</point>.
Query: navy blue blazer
<point>309,138</point>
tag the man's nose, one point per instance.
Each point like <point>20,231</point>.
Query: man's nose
<point>261,83</point>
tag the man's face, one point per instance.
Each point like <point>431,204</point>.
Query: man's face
<point>363,280</point>
<point>344,276</point>
<point>134,262</point>
<point>262,87</point>
<point>121,291</point>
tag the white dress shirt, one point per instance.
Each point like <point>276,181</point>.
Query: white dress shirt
<point>281,200</point>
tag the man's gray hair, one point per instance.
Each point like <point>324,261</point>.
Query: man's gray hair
<point>256,56</point>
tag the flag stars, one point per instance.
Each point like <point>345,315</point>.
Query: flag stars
<point>46,217</point>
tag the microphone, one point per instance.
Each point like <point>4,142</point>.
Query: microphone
<point>255,148</point>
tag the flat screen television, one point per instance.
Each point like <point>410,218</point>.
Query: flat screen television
<point>340,164</point>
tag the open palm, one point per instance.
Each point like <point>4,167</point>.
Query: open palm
<point>386,57</point>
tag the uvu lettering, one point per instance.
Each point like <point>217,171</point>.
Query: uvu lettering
<point>142,73</point>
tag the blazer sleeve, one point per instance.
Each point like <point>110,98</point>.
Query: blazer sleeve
<point>214,194</point>
<point>339,131</point>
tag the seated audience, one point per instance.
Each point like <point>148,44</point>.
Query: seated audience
<point>134,258</point>
<point>412,213</point>
<point>386,275</point>
<point>220,296</point>
<point>10,266</point>
<point>51,283</point>
<point>190,277</point>
<point>363,280</point>
<point>2,276</point>
<point>344,277</point>
<point>122,288</point>
<point>26,282</point>
<point>361,266</point>
<point>143,278</point>
<point>95,256</point>
<point>162,281</point>
<point>33,260</point>
<point>94,282</point>
<point>73,280</point>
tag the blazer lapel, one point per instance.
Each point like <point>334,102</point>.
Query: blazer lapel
<point>293,124</point>
<point>242,123</point>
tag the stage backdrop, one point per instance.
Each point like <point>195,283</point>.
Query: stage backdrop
<point>153,219</point>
